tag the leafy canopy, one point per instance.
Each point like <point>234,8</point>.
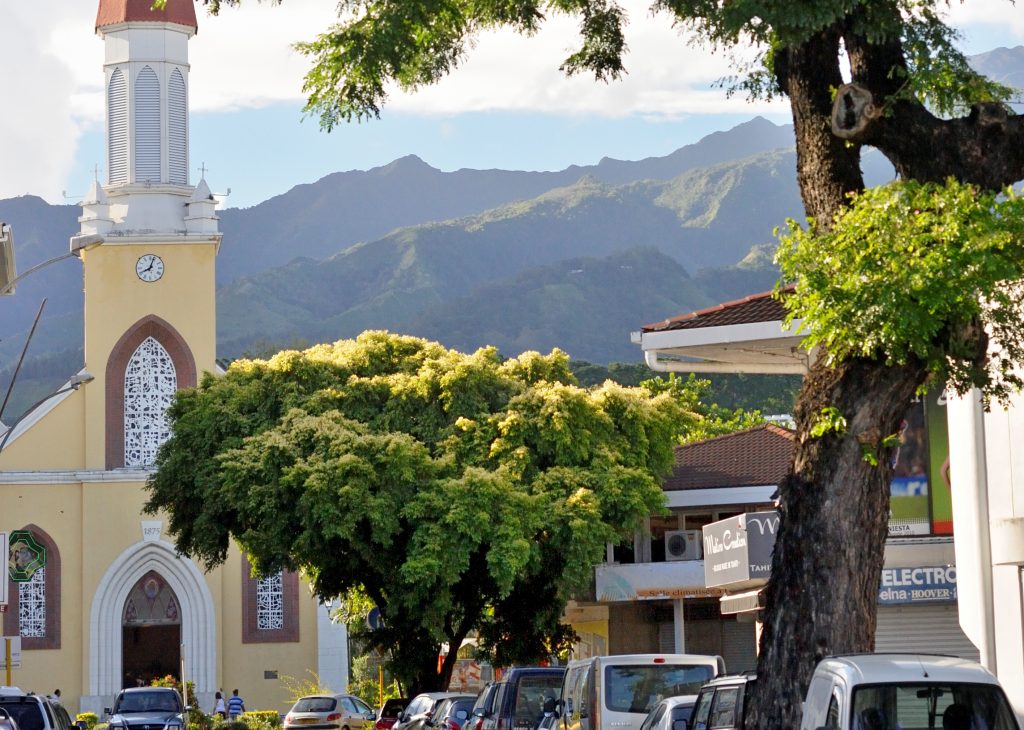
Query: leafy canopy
<point>909,270</point>
<point>454,491</point>
<point>380,43</point>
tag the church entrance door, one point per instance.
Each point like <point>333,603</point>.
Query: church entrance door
<point>151,632</point>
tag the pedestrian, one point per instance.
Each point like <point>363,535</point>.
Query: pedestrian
<point>219,708</point>
<point>56,696</point>
<point>236,705</point>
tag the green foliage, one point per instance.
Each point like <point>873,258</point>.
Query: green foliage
<point>829,420</point>
<point>913,270</point>
<point>365,682</point>
<point>261,719</point>
<point>89,718</point>
<point>436,483</point>
<point>297,687</point>
<point>707,421</point>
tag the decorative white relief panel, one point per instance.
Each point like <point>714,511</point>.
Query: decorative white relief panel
<point>32,606</point>
<point>270,602</point>
<point>149,384</point>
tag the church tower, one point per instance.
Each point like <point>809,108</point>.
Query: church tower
<point>148,239</point>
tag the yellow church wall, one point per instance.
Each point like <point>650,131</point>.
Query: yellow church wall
<point>54,442</point>
<point>56,509</point>
<point>184,297</point>
<point>244,665</point>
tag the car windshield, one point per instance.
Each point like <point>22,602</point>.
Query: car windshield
<point>315,704</point>
<point>148,702</point>
<point>921,706</point>
<point>392,708</point>
<point>27,715</point>
<point>638,688</point>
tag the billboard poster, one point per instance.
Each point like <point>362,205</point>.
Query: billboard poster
<point>938,463</point>
<point>920,502</point>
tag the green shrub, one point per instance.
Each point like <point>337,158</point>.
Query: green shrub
<point>89,718</point>
<point>261,719</point>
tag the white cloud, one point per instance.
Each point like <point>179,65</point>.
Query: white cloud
<point>50,80</point>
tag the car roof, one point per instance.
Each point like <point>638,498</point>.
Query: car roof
<point>136,690</point>
<point>875,668</point>
<point>649,659</point>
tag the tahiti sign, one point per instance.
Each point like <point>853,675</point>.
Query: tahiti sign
<point>25,556</point>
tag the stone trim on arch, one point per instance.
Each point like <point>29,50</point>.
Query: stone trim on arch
<point>53,584</point>
<point>184,366</point>
<point>198,616</point>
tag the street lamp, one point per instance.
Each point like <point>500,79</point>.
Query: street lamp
<point>74,383</point>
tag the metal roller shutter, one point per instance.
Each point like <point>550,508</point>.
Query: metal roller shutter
<point>928,629</point>
<point>739,647</point>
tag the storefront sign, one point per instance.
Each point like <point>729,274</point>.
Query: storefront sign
<point>652,581</point>
<point>738,550</point>
<point>935,584</point>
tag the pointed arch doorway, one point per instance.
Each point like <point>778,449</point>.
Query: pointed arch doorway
<point>150,631</point>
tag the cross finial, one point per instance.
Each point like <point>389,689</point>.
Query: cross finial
<point>202,170</point>
<point>96,172</point>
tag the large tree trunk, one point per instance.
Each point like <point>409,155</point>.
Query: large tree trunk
<point>830,548</point>
<point>822,596</point>
<point>835,504</point>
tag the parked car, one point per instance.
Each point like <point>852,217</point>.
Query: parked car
<point>420,710</point>
<point>389,713</point>
<point>483,706</point>
<point>6,721</point>
<point>451,713</point>
<point>33,712</point>
<point>330,712</point>
<point>518,700</point>
<point>672,713</point>
<point>139,708</point>
<point>880,691</point>
<point>617,692</point>
<point>721,702</point>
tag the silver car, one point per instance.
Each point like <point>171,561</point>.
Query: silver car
<point>330,712</point>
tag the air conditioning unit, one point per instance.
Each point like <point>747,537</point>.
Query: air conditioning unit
<point>683,545</point>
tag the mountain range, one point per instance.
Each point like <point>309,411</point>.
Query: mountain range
<point>523,260</point>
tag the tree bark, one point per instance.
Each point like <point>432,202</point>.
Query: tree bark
<point>834,519</point>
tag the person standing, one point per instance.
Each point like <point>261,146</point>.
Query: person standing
<point>236,705</point>
<point>219,708</point>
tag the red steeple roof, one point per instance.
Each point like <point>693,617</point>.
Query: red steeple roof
<point>112,12</point>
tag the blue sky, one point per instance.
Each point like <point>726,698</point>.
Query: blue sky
<point>248,127</point>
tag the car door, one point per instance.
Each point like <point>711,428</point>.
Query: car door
<point>365,713</point>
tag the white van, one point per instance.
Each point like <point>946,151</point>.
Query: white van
<point>617,692</point>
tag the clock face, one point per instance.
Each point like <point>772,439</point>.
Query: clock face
<point>149,267</point>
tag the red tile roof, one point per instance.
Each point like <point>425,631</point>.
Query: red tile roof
<point>112,12</point>
<point>757,457</point>
<point>763,307</point>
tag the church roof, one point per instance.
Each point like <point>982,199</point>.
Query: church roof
<point>112,12</point>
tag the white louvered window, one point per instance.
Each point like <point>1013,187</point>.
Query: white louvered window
<point>32,606</point>
<point>177,130</point>
<point>270,603</point>
<point>149,384</point>
<point>117,129</point>
<point>147,126</point>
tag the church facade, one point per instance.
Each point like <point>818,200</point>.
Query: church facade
<point>108,603</point>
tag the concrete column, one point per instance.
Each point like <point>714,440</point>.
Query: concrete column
<point>680,635</point>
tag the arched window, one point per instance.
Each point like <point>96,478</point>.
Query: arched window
<point>270,607</point>
<point>177,129</point>
<point>270,603</point>
<point>150,382</point>
<point>147,126</point>
<point>34,609</point>
<point>132,402</point>
<point>117,129</point>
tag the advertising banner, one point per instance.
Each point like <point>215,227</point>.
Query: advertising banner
<point>932,584</point>
<point>920,492</point>
<point>738,550</point>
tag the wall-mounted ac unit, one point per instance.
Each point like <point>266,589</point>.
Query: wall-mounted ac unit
<point>683,545</point>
